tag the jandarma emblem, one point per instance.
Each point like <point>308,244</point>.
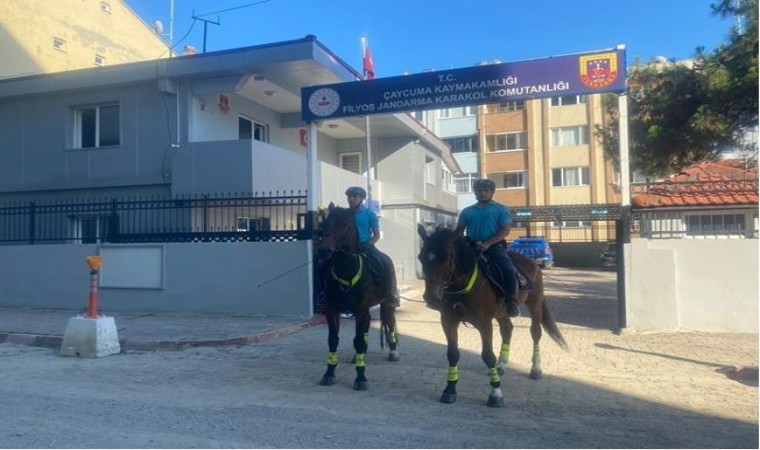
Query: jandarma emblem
<point>598,71</point>
<point>323,102</point>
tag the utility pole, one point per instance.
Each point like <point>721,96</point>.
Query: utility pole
<point>205,28</point>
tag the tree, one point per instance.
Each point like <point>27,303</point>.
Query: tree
<point>681,114</point>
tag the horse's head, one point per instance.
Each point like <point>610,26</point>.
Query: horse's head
<point>440,254</point>
<point>338,232</point>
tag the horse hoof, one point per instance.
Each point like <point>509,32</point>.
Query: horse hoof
<point>394,356</point>
<point>448,398</point>
<point>327,381</point>
<point>361,385</point>
<point>536,374</point>
<point>495,402</point>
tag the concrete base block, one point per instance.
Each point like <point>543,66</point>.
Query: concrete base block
<point>90,337</point>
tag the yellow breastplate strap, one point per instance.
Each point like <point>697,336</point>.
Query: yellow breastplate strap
<point>471,282</point>
<point>353,281</point>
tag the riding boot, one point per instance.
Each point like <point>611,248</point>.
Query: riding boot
<point>511,298</point>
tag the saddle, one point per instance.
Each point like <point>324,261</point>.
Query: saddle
<point>496,277</point>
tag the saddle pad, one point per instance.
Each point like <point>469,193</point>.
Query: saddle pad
<point>493,273</point>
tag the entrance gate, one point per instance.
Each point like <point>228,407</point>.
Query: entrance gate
<point>577,74</point>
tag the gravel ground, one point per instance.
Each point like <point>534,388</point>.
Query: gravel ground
<point>612,390</point>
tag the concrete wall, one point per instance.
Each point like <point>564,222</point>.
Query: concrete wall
<point>705,285</point>
<point>226,278</point>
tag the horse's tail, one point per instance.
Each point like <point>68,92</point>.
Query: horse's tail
<point>547,320</point>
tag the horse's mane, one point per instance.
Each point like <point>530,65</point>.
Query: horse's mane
<point>466,255</point>
<point>338,213</point>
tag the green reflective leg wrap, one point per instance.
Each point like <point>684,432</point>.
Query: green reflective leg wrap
<point>504,353</point>
<point>453,373</point>
<point>332,358</point>
<point>536,352</point>
<point>493,375</point>
<point>360,359</point>
<point>392,337</point>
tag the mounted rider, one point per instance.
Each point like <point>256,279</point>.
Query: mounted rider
<point>487,223</point>
<point>368,229</point>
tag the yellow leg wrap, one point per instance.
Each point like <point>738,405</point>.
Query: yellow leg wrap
<point>536,351</point>
<point>332,358</point>
<point>360,359</point>
<point>392,337</point>
<point>493,374</point>
<point>453,373</point>
<point>504,354</point>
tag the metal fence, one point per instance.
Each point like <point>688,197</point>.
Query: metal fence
<point>277,216</point>
<point>577,232</point>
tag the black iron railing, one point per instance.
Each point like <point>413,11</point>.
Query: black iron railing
<point>273,216</point>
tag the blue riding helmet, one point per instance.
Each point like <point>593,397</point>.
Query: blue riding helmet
<point>483,183</point>
<point>356,190</point>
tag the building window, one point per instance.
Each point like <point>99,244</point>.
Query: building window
<point>250,129</point>
<point>100,60</point>
<point>697,225</point>
<point>508,180</point>
<point>351,162</point>
<point>90,229</point>
<point>59,44</point>
<point>507,141</point>
<point>463,144</point>
<point>571,224</point>
<point>567,136</point>
<point>457,112</point>
<point>569,100</point>
<point>570,176</point>
<point>98,126</point>
<point>105,7</point>
<point>253,224</point>
<point>508,107</point>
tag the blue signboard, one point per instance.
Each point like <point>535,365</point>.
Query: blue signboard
<point>584,73</point>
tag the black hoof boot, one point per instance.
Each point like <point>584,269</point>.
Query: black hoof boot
<point>361,385</point>
<point>495,402</point>
<point>327,381</point>
<point>448,398</point>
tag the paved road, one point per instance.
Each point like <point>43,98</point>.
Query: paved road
<point>629,390</point>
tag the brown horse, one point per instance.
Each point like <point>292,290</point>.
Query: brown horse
<point>350,287</point>
<point>456,286</point>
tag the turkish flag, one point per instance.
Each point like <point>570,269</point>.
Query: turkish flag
<point>369,66</point>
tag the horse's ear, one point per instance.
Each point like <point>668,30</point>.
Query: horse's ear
<point>422,231</point>
<point>331,207</point>
<point>458,232</point>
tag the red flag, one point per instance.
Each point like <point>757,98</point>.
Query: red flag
<point>369,66</point>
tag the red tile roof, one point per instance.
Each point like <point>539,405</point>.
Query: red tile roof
<point>720,183</point>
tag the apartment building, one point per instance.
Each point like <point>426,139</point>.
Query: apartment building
<point>43,36</point>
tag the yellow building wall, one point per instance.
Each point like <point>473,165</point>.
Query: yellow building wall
<point>537,118</point>
<point>28,29</point>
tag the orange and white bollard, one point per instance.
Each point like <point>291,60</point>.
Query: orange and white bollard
<point>94,263</point>
<point>91,335</point>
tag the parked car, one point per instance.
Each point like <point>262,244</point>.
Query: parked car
<point>535,248</point>
<point>608,255</point>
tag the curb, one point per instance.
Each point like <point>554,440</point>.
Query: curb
<point>55,341</point>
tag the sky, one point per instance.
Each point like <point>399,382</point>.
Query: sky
<point>417,35</point>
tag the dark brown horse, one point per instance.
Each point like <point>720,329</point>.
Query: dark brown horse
<point>350,287</point>
<point>457,287</point>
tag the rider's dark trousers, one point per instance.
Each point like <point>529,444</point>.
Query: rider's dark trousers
<point>498,253</point>
<point>387,270</point>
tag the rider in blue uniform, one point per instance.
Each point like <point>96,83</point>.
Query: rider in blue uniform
<point>368,229</point>
<point>487,224</point>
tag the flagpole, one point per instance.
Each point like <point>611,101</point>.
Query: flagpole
<point>367,132</point>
